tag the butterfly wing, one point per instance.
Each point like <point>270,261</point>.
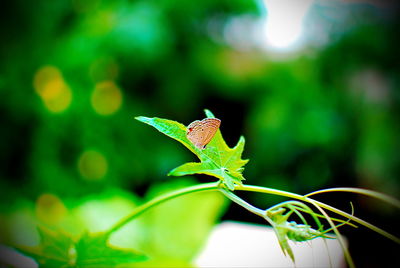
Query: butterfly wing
<point>201,132</point>
<point>211,126</point>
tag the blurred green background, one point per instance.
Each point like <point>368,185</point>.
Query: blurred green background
<point>312,85</point>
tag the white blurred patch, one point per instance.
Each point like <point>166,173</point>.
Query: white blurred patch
<point>11,258</point>
<point>277,30</point>
<point>234,244</point>
<point>283,26</point>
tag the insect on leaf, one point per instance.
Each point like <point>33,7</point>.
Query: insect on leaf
<point>217,159</point>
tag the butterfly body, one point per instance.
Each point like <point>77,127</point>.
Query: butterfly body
<point>201,132</point>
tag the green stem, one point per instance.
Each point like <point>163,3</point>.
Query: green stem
<point>243,203</point>
<point>334,219</point>
<point>386,198</point>
<point>335,230</point>
<point>214,186</point>
<point>261,213</point>
<point>323,205</point>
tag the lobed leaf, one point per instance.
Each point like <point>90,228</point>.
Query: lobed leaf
<point>54,249</point>
<point>217,159</point>
<point>57,249</point>
<point>93,251</point>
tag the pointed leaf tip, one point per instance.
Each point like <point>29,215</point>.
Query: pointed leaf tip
<point>143,119</point>
<point>208,113</point>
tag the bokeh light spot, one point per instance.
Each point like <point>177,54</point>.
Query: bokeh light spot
<point>284,24</point>
<point>50,209</point>
<point>106,98</point>
<point>92,165</point>
<point>52,89</point>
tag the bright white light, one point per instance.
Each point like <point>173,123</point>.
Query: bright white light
<point>284,24</point>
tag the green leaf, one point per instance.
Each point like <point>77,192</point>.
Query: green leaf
<point>93,251</point>
<point>281,234</point>
<point>54,249</point>
<point>180,227</point>
<point>57,249</point>
<point>293,231</point>
<point>279,223</point>
<point>217,159</point>
<point>301,232</point>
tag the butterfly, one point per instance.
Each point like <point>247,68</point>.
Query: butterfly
<point>201,132</point>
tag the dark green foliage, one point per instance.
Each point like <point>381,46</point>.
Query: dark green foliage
<point>328,116</point>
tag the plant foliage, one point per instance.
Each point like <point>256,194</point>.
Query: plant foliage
<point>58,249</point>
<point>217,159</point>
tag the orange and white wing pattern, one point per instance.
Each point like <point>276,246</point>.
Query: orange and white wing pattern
<point>201,132</point>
